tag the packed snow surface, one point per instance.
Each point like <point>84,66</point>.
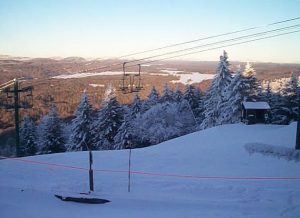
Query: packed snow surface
<point>205,174</point>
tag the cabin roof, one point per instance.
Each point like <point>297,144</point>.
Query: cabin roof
<point>262,105</point>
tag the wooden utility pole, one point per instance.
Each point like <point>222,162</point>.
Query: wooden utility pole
<point>13,88</point>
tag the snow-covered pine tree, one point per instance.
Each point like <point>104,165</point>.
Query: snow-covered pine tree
<point>152,99</point>
<point>178,95</point>
<point>216,94</point>
<point>280,111</point>
<point>250,85</point>
<point>127,135</point>
<point>290,93</point>
<point>136,105</point>
<point>109,119</point>
<point>28,137</point>
<point>164,121</point>
<point>167,95</point>
<point>81,126</point>
<point>232,107</point>
<point>267,94</point>
<point>194,97</point>
<point>51,136</point>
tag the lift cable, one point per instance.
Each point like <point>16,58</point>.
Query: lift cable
<point>196,47</point>
<point>210,37</point>
<point>219,42</point>
<point>214,48</point>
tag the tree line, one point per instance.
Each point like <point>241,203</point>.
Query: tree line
<point>158,117</point>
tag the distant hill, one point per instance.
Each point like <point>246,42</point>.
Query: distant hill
<point>67,91</point>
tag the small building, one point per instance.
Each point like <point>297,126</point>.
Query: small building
<point>255,112</point>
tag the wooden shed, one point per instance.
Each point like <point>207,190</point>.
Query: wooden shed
<point>255,112</point>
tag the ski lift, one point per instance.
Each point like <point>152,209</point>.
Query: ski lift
<point>124,85</point>
<point>136,83</point>
<point>130,82</point>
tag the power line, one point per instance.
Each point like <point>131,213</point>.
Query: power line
<point>209,49</point>
<point>210,37</point>
<point>214,48</point>
<point>197,47</point>
<point>188,42</point>
<point>220,42</point>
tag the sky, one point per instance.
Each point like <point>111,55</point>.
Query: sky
<point>100,29</point>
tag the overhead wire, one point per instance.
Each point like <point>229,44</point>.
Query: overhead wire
<point>214,48</point>
<point>220,42</point>
<point>199,46</point>
<point>209,49</point>
<point>118,66</point>
<point>210,37</point>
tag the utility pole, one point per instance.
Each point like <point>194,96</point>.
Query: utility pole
<point>13,87</point>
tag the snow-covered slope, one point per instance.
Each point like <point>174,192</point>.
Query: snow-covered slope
<point>204,174</point>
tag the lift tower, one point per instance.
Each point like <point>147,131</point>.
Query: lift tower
<point>15,99</point>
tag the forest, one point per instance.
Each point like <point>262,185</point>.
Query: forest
<point>159,116</point>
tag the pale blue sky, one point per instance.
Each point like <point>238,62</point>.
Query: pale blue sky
<point>91,28</point>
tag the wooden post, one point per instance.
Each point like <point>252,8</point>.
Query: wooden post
<point>91,175</point>
<point>129,168</point>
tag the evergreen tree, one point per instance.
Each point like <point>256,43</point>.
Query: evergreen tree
<point>250,85</point>
<point>232,107</point>
<point>52,140</point>
<point>195,99</point>
<point>280,111</point>
<point>81,136</point>
<point>167,95</point>
<point>216,94</point>
<point>28,137</point>
<point>290,93</point>
<point>178,95</point>
<point>136,105</point>
<point>164,121</point>
<point>109,119</point>
<point>267,94</point>
<point>126,135</point>
<point>152,99</point>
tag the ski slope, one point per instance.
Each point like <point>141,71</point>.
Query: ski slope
<point>205,174</point>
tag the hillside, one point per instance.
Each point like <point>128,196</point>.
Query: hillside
<point>57,80</point>
<point>205,174</point>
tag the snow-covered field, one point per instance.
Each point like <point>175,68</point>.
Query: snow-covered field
<point>83,75</point>
<point>184,78</point>
<point>204,174</point>
<point>96,85</point>
<point>193,77</point>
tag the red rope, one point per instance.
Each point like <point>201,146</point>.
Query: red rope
<point>33,162</point>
